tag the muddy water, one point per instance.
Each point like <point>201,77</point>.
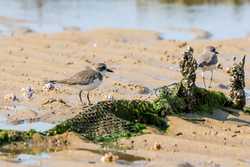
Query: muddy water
<point>24,125</point>
<point>28,159</point>
<point>174,20</point>
<point>34,156</point>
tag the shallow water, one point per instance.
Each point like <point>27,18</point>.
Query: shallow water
<point>247,91</point>
<point>38,126</point>
<point>23,158</point>
<point>24,126</point>
<point>31,160</point>
<point>174,20</point>
<point>28,157</point>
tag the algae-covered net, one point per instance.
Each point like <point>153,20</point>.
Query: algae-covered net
<point>112,118</point>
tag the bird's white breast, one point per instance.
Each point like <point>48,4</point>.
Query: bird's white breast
<point>92,85</point>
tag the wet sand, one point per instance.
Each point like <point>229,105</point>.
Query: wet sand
<point>139,59</point>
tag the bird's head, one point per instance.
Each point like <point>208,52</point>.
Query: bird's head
<point>102,68</point>
<point>211,49</point>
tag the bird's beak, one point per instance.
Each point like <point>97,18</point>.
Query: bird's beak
<point>216,52</point>
<point>109,70</point>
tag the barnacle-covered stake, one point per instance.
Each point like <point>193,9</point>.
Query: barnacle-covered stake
<point>237,84</point>
<point>188,67</point>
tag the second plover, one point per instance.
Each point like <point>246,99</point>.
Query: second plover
<point>208,62</point>
<point>89,79</point>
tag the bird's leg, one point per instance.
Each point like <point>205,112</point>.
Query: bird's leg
<point>203,78</point>
<point>211,79</point>
<point>88,98</point>
<point>80,96</point>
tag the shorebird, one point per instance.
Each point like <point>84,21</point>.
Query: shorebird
<point>208,62</point>
<point>89,79</point>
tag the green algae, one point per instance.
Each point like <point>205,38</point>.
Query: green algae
<point>171,101</point>
<point>207,101</point>
<point>9,136</point>
<point>108,121</point>
<point>246,109</point>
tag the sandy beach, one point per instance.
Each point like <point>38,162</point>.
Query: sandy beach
<point>141,61</point>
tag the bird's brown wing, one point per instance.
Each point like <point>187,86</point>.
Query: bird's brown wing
<point>204,58</point>
<point>207,59</point>
<point>82,78</point>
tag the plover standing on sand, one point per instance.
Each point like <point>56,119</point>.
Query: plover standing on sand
<point>208,62</point>
<point>89,79</point>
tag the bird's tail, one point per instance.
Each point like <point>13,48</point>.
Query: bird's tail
<point>54,81</point>
<point>65,81</point>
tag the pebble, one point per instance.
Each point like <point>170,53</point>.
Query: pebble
<point>157,147</point>
<point>219,66</point>
<point>234,135</point>
<point>238,131</point>
<point>228,70</point>
<point>109,157</point>
<point>110,98</point>
<point>27,92</point>
<point>49,86</point>
<point>179,134</point>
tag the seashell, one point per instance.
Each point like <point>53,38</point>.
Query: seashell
<point>110,98</point>
<point>27,92</point>
<point>10,97</point>
<point>49,86</point>
<point>109,157</point>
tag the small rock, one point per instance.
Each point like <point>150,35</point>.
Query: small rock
<point>219,66</point>
<point>238,131</point>
<point>157,147</point>
<point>234,135</point>
<point>109,157</point>
<point>27,92</point>
<point>110,98</point>
<point>228,70</point>
<point>49,86</point>
<point>179,134</point>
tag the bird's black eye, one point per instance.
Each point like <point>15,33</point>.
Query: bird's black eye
<point>101,68</point>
